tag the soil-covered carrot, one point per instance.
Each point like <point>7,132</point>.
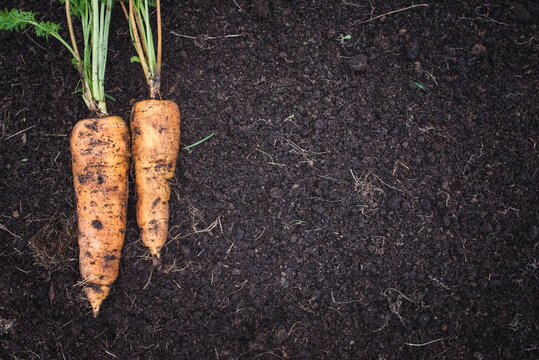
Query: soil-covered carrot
<point>99,146</point>
<point>100,151</point>
<point>155,134</point>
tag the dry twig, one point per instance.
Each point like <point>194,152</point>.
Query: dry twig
<point>393,12</point>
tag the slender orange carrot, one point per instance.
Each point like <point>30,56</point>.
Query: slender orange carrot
<point>100,158</point>
<point>155,132</point>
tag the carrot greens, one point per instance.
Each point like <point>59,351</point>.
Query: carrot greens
<point>142,37</point>
<point>94,16</point>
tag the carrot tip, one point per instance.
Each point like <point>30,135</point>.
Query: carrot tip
<point>156,259</point>
<point>96,294</point>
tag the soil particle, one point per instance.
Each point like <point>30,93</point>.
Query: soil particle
<point>478,49</point>
<point>238,235</point>
<point>321,124</point>
<point>96,224</point>
<point>521,13</point>
<point>425,206</point>
<point>394,202</point>
<point>423,319</point>
<point>412,51</point>
<point>276,193</point>
<point>358,63</point>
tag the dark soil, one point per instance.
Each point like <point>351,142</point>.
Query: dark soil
<point>370,198</point>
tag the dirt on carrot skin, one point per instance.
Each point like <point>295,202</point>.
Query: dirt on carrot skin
<point>370,197</point>
<point>101,154</point>
<point>155,134</point>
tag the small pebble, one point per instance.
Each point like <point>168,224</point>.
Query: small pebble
<point>478,49</point>
<point>276,193</point>
<point>238,235</point>
<point>412,51</point>
<point>425,205</point>
<point>423,319</point>
<point>446,221</point>
<point>358,63</point>
<point>394,202</point>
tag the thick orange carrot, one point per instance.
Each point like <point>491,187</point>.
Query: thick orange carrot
<point>155,134</point>
<point>101,153</point>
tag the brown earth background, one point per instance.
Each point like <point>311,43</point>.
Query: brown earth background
<point>364,198</point>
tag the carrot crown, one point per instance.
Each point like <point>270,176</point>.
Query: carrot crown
<point>138,17</point>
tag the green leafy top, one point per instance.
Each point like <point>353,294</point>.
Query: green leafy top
<point>80,7</point>
<point>16,20</point>
<point>149,55</point>
<point>95,18</point>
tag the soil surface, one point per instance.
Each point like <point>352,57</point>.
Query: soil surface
<point>371,196</point>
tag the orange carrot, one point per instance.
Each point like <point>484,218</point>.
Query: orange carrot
<point>99,146</point>
<point>155,132</point>
<point>100,158</point>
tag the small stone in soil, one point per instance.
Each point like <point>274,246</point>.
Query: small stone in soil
<point>423,319</point>
<point>412,51</point>
<point>425,205</point>
<point>276,193</point>
<point>358,63</point>
<point>394,202</point>
<point>478,49</point>
<point>239,234</point>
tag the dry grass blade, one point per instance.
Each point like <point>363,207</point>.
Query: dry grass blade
<point>393,12</point>
<point>196,217</point>
<point>175,268</point>
<point>53,246</point>
<point>306,154</point>
<point>3,227</point>
<point>365,186</point>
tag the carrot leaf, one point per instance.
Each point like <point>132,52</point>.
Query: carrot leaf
<point>149,53</point>
<point>95,16</point>
<point>17,20</point>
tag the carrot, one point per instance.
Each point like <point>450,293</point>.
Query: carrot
<point>100,149</point>
<point>155,134</point>
<point>99,146</point>
<point>100,152</point>
<point>155,131</point>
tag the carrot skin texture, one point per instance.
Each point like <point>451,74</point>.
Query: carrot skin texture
<point>155,135</point>
<point>100,150</point>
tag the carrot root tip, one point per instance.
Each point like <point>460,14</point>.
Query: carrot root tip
<point>156,259</point>
<point>96,294</point>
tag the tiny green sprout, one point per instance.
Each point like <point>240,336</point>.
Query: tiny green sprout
<point>198,142</point>
<point>342,39</point>
<point>290,117</point>
<point>419,86</point>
